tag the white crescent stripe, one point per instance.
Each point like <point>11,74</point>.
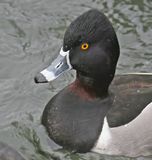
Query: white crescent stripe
<point>48,75</point>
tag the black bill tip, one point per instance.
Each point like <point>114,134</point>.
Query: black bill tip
<point>39,78</point>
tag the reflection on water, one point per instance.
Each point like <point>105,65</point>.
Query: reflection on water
<point>31,36</point>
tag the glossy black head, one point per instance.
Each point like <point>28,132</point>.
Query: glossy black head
<point>100,59</point>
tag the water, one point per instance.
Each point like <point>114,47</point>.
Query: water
<point>31,33</point>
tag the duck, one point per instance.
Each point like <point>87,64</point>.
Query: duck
<point>100,111</point>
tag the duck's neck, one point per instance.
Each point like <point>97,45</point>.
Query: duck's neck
<point>98,86</point>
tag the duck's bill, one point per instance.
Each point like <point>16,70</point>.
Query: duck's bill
<point>58,66</point>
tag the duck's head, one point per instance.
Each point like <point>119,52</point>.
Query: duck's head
<point>90,46</point>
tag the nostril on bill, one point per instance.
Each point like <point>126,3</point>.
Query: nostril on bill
<point>59,65</point>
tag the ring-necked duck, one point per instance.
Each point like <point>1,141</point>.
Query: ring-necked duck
<point>89,114</point>
<point>8,153</point>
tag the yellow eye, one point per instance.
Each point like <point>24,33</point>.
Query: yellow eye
<point>84,46</point>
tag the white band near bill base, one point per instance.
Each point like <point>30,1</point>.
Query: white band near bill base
<point>62,53</point>
<point>48,75</point>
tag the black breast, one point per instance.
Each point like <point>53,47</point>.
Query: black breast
<point>74,123</point>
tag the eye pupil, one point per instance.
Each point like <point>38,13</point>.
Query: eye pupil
<point>84,46</point>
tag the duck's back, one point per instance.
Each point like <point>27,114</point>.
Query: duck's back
<point>132,93</point>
